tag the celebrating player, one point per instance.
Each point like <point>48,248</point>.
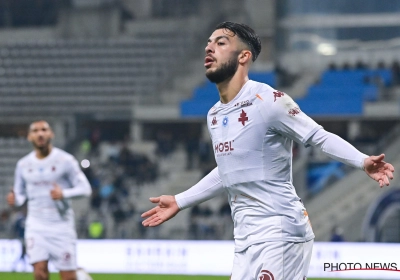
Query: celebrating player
<point>252,128</point>
<point>47,178</point>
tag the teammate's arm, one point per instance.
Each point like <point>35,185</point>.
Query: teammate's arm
<point>17,196</point>
<point>339,149</point>
<point>168,205</point>
<point>80,184</point>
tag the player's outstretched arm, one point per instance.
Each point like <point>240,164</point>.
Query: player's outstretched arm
<point>339,149</point>
<point>378,169</point>
<point>166,209</point>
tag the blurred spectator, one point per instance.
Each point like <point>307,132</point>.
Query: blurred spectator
<point>332,66</point>
<point>337,234</point>
<point>205,153</point>
<point>192,148</point>
<point>95,138</point>
<point>202,224</point>
<point>165,143</point>
<point>360,65</point>
<point>346,66</point>
<point>226,222</point>
<point>193,220</point>
<point>96,200</point>
<point>396,73</point>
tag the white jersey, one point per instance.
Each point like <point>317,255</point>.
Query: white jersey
<point>35,178</point>
<point>252,138</point>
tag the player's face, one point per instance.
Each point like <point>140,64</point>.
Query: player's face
<point>221,60</point>
<point>40,134</point>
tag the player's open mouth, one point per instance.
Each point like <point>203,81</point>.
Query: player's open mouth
<point>208,61</point>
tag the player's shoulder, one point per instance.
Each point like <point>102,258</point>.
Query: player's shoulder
<point>62,155</point>
<point>270,97</point>
<point>259,92</point>
<point>26,159</point>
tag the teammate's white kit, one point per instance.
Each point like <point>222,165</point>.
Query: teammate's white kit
<point>50,227</point>
<point>252,138</point>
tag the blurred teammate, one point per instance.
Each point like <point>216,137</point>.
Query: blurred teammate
<point>47,178</point>
<point>252,128</point>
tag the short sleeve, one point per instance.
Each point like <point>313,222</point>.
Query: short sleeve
<point>285,117</point>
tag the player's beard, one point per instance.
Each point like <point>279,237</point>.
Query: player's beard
<point>225,72</point>
<point>44,147</point>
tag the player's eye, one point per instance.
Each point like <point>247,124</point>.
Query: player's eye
<point>221,43</point>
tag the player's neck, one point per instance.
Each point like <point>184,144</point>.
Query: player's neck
<point>228,89</point>
<point>44,152</point>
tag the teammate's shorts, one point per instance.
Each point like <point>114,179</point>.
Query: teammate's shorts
<point>273,261</point>
<point>59,249</point>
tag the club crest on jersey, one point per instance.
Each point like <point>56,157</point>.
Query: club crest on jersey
<point>225,121</point>
<point>243,117</point>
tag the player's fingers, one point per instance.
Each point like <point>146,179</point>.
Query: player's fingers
<point>386,180</point>
<point>156,222</point>
<point>389,167</point>
<point>380,183</point>
<point>154,199</point>
<point>389,174</point>
<point>150,221</point>
<point>378,158</point>
<point>149,213</point>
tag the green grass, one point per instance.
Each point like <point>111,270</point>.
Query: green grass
<point>28,276</point>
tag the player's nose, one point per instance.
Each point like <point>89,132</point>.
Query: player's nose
<point>209,48</point>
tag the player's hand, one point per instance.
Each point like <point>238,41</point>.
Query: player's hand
<point>379,170</point>
<point>11,198</point>
<point>56,192</point>
<point>165,210</point>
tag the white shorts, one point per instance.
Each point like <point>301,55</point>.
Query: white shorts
<point>59,249</point>
<point>273,261</point>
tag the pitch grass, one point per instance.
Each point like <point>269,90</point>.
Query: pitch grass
<point>28,276</point>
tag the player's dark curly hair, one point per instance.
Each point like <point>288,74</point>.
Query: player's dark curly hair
<point>246,34</point>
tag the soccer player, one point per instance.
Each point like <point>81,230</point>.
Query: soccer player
<point>252,128</point>
<point>46,179</point>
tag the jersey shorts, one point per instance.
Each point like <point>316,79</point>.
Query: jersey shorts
<point>60,249</point>
<point>277,260</point>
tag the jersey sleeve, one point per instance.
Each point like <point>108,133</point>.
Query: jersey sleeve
<point>338,149</point>
<point>80,184</point>
<point>285,117</point>
<point>207,188</point>
<point>19,186</point>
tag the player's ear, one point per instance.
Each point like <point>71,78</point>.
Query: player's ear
<point>245,56</point>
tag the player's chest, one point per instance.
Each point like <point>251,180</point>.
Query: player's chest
<point>42,173</point>
<point>240,123</point>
